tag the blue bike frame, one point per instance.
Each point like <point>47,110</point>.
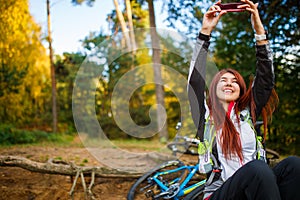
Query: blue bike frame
<point>182,190</point>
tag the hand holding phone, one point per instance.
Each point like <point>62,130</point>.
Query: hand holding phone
<point>231,7</point>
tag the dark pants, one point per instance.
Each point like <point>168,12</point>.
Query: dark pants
<point>257,181</point>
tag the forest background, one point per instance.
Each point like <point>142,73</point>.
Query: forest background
<point>26,89</point>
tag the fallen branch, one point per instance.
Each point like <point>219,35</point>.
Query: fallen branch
<point>63,168</point>
<point>68,169</point>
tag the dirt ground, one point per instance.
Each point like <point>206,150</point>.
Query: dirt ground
<point>19,184</point>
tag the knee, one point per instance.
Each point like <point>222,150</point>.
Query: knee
<point>257,165</point>
<point>291,164</point>
<point>292,161</point>
<point>259,170</point>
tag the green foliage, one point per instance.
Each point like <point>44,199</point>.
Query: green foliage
<point>25,73</point>
<point>10,135</point>
<point>233,46</point>
<point>66,68</point>
<point>24,78</point>
<point>11,79</point>
<point>117,66</point>
<point>282,19</point>
<point>186,14</point>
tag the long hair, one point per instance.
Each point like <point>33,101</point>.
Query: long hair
<point>230,138</point>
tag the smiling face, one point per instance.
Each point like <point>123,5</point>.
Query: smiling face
<point>228,88</point>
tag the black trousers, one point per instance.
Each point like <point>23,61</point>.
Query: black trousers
<point>257,181</point>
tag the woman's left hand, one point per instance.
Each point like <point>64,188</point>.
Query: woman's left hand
<point>255,19</point>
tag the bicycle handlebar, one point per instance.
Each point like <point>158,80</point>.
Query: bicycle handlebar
<point>188,139</point>
<point>193,140</point>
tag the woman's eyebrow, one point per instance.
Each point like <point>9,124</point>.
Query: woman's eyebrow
<point>226,78</point>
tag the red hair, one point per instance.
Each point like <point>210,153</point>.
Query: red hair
<point>230,138</point>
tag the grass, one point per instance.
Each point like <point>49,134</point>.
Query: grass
<point>61,140</point>
<point>67,140</point>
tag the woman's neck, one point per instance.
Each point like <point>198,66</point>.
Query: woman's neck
<point>228,106</point>
<point>225,105</point>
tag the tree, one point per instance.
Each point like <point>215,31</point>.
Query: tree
<point>186,16</point>
<point>130,24</point>
<point>123,24</point>
<point>66,67</point>
<point>129,40</point>
<point>24,80</point>
<point>156,60</point>
<point>234,46</point>
<point>235,49</point>
<point>52,70</point>
<point>282,19</point>
<point>159,89</point>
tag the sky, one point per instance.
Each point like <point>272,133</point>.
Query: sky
<point>71,23</point>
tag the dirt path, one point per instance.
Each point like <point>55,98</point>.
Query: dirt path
<point>20,184</point>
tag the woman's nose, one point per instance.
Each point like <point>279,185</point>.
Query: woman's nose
<point>228,84</point>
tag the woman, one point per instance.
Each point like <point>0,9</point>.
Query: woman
<point>228,119</point>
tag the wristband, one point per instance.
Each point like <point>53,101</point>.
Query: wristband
<point>204,37</point>
<point>261,37</point>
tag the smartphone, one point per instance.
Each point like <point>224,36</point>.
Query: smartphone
<point>231,7</point>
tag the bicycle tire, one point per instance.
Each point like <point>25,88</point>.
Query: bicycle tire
<point>274,155</point>
<point>196,194</point>
<point>135,192</point>
<point>182,147</point>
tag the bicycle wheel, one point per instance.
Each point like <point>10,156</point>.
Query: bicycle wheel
<point>271,154</point>
<point>196,194</point>
<point>272,157</point>
<point>146,188</point>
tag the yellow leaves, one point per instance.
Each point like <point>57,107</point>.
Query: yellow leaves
<point>24,59</point>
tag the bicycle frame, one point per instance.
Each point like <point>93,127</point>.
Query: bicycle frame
<point>182,190</point>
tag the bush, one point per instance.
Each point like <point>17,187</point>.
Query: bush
<point>10,135</point>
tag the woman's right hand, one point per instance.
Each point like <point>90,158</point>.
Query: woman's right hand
<point>211,18</point>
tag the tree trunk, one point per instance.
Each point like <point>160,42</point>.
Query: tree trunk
<point>54,107</point>
<point>159,89</point>
<point>123,24</point>
<point>130,24</point>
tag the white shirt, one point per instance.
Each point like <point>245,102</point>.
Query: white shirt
<point>248,142</point>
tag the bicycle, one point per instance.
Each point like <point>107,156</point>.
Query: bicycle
<point>170,180</point>
<point>173,179</point>
<point>183,144</point>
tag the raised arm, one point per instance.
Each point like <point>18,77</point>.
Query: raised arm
<point>264,80</point>
<point>196,85</point>
<point>196,79</point>
<point>264,76</point>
